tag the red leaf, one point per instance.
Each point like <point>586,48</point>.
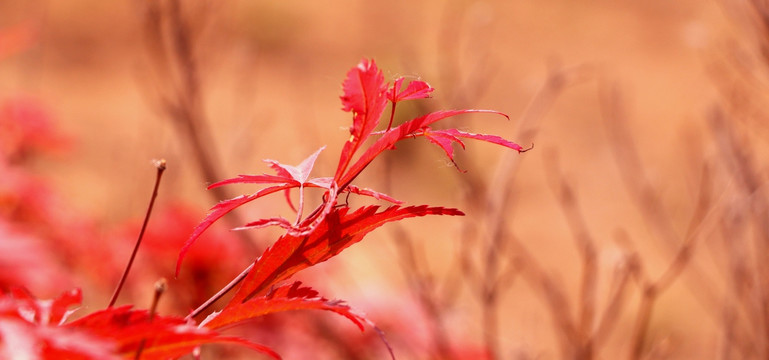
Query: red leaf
<point>216,212</point>
<point>375,194</point>
<point>488,138</point>
<point>252,179</point>
<point>417,89</point>
<point>164,337</point>
<point>276,221</point>
<point>284,298</point>
<point>29,330</point>
<point>364,95</point>
<point>288,177</point>
<point>45,312</point>
<point>387,141</point>
<point>445,138</point>
<point>338,231</point>
<point>444,141</point>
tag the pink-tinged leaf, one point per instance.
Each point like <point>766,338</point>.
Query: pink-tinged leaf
<point>340,229</point>
<point>417,89</point>
<point>284,298</point>
<point>387,141</point>
<point>287,177</point>
<point>299,173</point>
<point>323,182</point>
<point>365,95</point>
<point>163,337</point>
<point>375,194</point>
<point>219,210</point>
<point>286,174</point>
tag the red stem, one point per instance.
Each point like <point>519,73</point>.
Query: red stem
<point>392,115</point>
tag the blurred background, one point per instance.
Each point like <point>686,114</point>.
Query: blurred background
<point>636,227</point>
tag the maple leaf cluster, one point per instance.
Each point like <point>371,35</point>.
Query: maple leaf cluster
<point>264,288</point>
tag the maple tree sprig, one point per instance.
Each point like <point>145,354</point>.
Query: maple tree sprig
<point>160,165</point>
<point>330,227</point>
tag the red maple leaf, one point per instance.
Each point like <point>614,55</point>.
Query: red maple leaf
<point>417,89</point>
<point>283,298</point>
<point>159,337</point>
<point>339,230</point>
<point>287,178</point>
<point>331,228</point>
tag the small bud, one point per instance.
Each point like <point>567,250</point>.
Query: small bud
<point>161,285</point>
<point>159,163</point>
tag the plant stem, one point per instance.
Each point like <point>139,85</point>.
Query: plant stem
<point>221,293</point>
<point>161,167</point>
<point>392,114</point>
<point>160,288</point>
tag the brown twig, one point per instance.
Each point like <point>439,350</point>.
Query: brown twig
<point>171,39</point>
<point>587,248</point>
<point>651,290</point>
<point>160,288</point>
<point>645,198</point>
<point>750,210</point>
<point>160,165</point>
<point>497,203</point>
<point>223,291</point>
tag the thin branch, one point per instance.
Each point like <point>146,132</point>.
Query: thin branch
<point>160,288</point>
<point>587,248</point>
<point>160,165</point>
<point>652,290</point>
<point>170,39</point>
<point>220,293</point>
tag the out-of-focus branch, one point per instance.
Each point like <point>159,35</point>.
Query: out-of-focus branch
<point>171,32</point>
<point>587,247</point>
<point>750,210</point>
<point>650,206</point>
<point>651,290</point>
<point>497,206</point>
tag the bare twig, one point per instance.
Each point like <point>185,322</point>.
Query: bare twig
<point>587,248</point>
<point>220,293</point>
<point>651,290</point>
<point>171,37</point>
<point>497,204</point>
<point>750,211</point>
<point>160,288</point>
<point>646,199</point>
<point>160,165</point>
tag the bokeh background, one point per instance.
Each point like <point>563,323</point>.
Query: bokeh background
<point>648,163</point>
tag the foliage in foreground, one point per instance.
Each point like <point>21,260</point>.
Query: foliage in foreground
<point>34,329</point>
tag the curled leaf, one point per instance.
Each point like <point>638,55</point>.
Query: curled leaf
<point>416,89</point>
